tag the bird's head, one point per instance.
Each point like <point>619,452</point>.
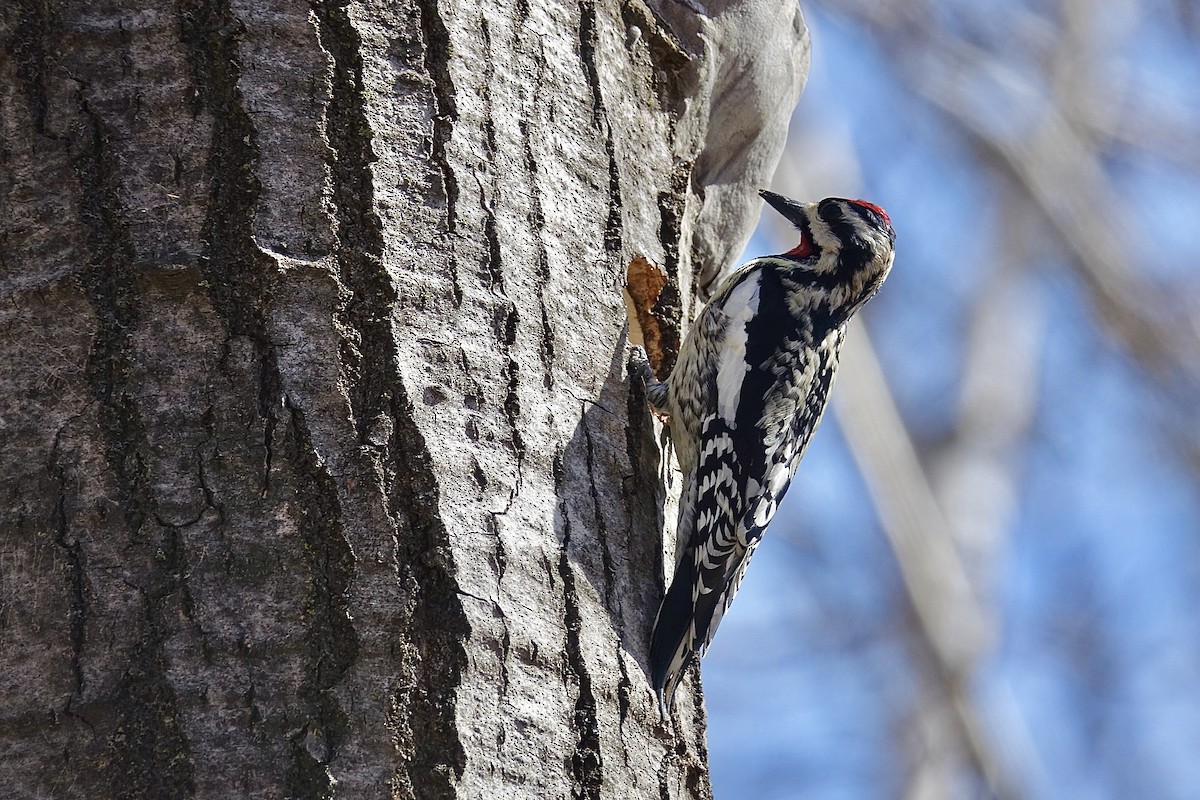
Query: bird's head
<point>846,247</point>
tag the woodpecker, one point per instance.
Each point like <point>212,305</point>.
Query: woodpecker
<point>748,389</point>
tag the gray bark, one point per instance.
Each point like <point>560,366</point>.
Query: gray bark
<point>321,472</point>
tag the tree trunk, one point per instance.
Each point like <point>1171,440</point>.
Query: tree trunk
<point>321,472</point>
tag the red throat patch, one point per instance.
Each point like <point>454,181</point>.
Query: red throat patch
<point>802,250</point>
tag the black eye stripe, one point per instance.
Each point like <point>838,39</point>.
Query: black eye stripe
<point>867,214</point>
<point>873,218</point>
<point>834,211</point>
<point>855,251</point>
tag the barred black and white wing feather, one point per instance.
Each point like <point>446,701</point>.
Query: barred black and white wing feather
<point>749,389</point>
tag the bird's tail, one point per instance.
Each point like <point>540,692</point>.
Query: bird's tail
<point>671,647</point>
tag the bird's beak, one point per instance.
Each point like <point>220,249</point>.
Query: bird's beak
<point>792,211</point>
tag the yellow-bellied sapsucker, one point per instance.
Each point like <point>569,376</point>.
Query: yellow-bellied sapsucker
<point>747,391</point>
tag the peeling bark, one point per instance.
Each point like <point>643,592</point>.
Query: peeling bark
<point>321,471</point>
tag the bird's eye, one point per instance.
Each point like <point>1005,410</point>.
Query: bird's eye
<point>829,208</point>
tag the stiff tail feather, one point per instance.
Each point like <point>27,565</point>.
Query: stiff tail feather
<point>671,646</point>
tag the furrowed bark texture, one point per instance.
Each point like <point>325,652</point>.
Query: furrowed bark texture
<point>320,471</point>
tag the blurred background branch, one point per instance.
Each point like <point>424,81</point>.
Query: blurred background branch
<point>1024,419</point>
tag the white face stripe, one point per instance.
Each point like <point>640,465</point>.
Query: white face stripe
<point>824,238</point>
<point>741,305</point>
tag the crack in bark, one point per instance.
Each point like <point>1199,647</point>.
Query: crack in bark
<point>331,637</point>
<point>436,49</point>
<point>506,315</point>
<point>610,573</point>
<point>28,50</point>
<point>668,55</point>
<point>505,324</point>
<point>154,759</point>
<point>433,615</point>
<point>238,277</point>
<point>512,410</point>
<point>587,765</point>
<point>588,38</point>
<point>493,522</point>
<point>241,282</point>
<point>433,622</point>
<point>270,390</point>
<point>536,216</point>
<point>115,295</point>
<point>645,463</point>
<point>537,225</point>
<point>505,649</point>
<point>495,269</point>
<point>624,701</point>
<point>174,560</point>
<point>485,91</point>
<point>669,306</point>
<point>696,777</point>
<point>210,495</point>
<point>76,571</point>
<point>587,54</point>
<point>506,333</point>
<point>367,361</point>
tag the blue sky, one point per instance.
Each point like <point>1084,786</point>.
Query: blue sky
<point>1093,688</point>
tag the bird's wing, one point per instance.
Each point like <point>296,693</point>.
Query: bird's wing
<point>714,498</point>
<point>745,464</point>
